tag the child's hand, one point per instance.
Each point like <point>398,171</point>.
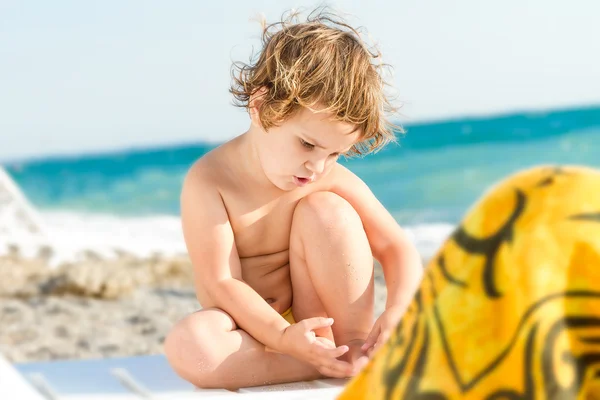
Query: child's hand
<point>300,341</point>
<point>382,329</point>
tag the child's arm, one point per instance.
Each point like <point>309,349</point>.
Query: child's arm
<point>217,269</point>
<point>400,261</point>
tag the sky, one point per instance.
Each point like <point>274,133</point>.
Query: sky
<point>80,76</point>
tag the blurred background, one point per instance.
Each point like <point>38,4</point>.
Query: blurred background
<point>105,105</point>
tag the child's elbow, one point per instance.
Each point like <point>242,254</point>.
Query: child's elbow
<point>219,291</point>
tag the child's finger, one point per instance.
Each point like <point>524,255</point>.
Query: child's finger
<point>360,363</point>
<point>344,368</point>
<point>324,342</point>
<point>316,323</point>
<point>371,339</point>
<point>331,353</point>
<point>383,338</point>
<point>370,352</point>
<point>332,373</point>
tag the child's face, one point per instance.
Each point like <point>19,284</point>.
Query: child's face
<point>303,148</point>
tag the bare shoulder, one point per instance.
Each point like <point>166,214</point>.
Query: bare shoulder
<point>200,192</point>
<point>206,227</point>
<point>209,171</point>
<point>202,205</point>
<point>381,228</point>
<point>344,182</point>
<point>354,190</point>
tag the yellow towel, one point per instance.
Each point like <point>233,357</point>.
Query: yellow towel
<point>509,307</point>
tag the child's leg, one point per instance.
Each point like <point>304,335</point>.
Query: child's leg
<point>207,349</point>
<point>331,267</point>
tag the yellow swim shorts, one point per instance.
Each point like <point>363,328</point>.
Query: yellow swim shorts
<point>288,316</point>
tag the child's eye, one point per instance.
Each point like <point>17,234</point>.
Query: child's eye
<point>306,144</point>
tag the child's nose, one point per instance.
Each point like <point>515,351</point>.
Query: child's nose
<point>316,166</point>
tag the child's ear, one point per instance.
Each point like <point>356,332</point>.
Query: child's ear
<point>254,104</point>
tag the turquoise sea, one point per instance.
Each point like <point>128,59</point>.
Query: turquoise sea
<point>427,181</point>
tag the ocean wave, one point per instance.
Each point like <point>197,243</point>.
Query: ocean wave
<point>72,236</point>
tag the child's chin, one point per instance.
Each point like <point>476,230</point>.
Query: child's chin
<point>286,186</point>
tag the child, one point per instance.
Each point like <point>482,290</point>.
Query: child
<point>281,236</point>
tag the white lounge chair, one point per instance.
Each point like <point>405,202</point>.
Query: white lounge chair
<point>143,377</point>
<point>19,222</point>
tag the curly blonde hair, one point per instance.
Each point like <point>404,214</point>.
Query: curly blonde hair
<point>320,61</point>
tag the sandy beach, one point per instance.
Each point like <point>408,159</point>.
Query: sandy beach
<point>96,308</point>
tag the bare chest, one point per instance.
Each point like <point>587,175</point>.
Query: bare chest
<point>261,225</point>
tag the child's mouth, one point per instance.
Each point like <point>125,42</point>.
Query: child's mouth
<point>301,181</point>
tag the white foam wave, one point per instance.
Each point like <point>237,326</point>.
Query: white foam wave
<point>73,235</point>
<point>428,238</point>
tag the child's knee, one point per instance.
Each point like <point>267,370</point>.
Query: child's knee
<point>326,209</point>
<point>190,349</point>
